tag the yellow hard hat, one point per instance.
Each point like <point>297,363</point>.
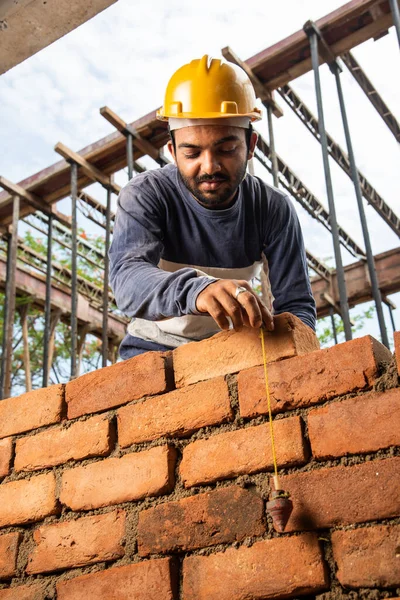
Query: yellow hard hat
<point>209,88</point>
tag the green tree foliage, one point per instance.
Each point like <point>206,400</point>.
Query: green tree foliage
<point>325,331</point>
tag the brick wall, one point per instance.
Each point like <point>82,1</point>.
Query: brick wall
<point>148,480</point>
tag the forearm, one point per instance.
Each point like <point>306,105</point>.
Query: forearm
<point>145,291</point>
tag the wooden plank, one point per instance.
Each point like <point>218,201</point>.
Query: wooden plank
<point>358,284</point>
<point>296,42</point>
<point>344,28</point>
<point>344,45</point>
<point>34,24</point>
<point>89,169</point>
<point>123,127</point>
<point>16,190</point>
<point>108,154</point>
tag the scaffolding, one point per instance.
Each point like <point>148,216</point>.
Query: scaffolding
<point>65,294</point>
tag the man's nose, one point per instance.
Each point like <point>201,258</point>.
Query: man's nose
<point>210,163</point>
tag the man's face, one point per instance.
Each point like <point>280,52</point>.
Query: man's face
<point>212,161</point>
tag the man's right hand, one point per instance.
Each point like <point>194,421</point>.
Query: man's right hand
<point>220,300</point>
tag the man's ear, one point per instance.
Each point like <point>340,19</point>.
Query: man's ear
<point>171,149</point>
<point>252,145</point>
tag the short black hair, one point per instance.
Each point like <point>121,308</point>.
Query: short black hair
<point>248,133</point>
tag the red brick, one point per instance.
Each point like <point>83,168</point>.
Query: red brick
<point>77,543</point>
<point>8,554</point>
<point>149,580</point>
<point>222,516</point>
<point>368,557</point>
<point>242,451</point>
<point>6,449</point>
<point>28,500</point>
<point>343,495</point>
<point>230,351</point>
<point>358,425</point>
<point>116,480</point>
<point>396,339</point>
<point>32,591</point>
<point>178,413</point>
<point>82,439</point>
<point>306,380</point>
<point>123,382</point>
<point>277,568</point>
<point>31,410</point>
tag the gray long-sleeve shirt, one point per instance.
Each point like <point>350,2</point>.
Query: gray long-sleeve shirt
<point>166,247</point>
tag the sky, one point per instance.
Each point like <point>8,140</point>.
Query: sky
<point>124,57</point>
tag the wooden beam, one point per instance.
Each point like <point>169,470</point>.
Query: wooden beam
<point>343,45</point>
<point>91,171</point>
<point>261,90</point>
<point>346,18</point>
<point>358,285</point>
<point>323,48</point>
<point>275,66</point>
<point>144,145</point>
<point>16,190</point>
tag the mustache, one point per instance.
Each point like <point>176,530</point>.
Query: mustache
<point>210,178</point>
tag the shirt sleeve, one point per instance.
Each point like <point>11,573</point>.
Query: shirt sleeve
<point>140,287</point>
<point>287,264</point>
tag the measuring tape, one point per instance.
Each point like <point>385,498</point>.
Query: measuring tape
<point>279,506</point>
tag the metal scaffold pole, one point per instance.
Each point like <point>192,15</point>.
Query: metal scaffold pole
<point>74,271</point>
<point>9,304</point>
<point>354,174</point>
<point>332,315</point>
<point>396,17</point>
<point>344,306</point>
<point>106,278</point>
<point>274,160</point>
<point>129,155</point>
<point>392,318</point>
<point>47,309</point>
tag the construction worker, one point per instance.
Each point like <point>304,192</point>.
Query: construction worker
<point>191,237</point>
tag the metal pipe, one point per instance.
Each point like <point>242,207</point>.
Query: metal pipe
<point>105,286</point>
<point>23,312</point>
<point>394,7</point>
<point>74,270</point>
<point>367,241</point>
<point>6,363</point>
<point>129,154</point>
<point>5,317</point>
<point>274,160</point>
<point>344,306</point>
<point>391,317</point>
<point>332,315</point>
<point>47,306</point>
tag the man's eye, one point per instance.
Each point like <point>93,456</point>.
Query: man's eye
<point>192,155</point>
<point>228,150</point>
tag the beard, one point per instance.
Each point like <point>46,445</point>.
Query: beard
<point>215,198</point>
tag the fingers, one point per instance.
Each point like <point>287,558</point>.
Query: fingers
<point>218,313</point>
<point>258,313</point>
<point>250,306</point>
<point>267,318</point>
<point>221,301</point>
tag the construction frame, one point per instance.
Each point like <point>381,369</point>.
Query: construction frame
<point>64,294</point>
